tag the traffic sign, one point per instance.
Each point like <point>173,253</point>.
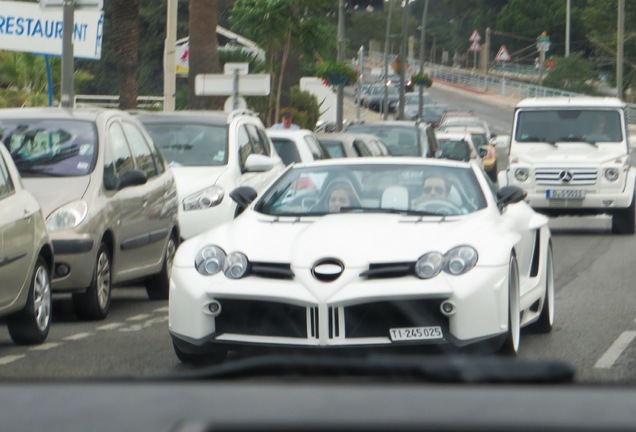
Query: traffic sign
<point>502,54</point>
<point>475,47</point>
<point>543,42</point>
<point>222,85</point>
<point>475,36</point>
<point>229,68</point>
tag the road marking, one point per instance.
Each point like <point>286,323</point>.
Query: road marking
<point>145,324</point>
<point>45,346</point>
<point>10,359</point>
<point>78,336</point>
<point>615,350</point>
<point>111,326</point>
<point>138,317</point>
<point>162,309</point>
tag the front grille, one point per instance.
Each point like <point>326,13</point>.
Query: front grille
<point>262,318</point>
<point>554,176</point>
<point>375,319</point>
<point>388,270</point>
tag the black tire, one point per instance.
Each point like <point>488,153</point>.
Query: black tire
<point>93,304</point>
<point>546,318</point>
<point>158,285</point>
<point>31,325</point>
<point>623,220</point>
<point>217,356</point>
<point>510,346</point>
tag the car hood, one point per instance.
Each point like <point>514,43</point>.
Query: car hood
<point>193,179</point>
<point>356,240</point>
<point>54,192</point>
<point>568,153</point>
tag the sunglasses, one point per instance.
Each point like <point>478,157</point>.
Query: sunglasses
<point>438,189</point>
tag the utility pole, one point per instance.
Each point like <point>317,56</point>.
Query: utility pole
<point>360,74</point>
<point>620,44</point>
<point>68,16</point>
<point>169,61</point>
<point>405,21</point>
<point>341,57</point>
<point>567,28</point>
<point>420,104</point>
<point>385,108</point>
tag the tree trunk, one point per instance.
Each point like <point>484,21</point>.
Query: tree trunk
<point>125,16</point>
<point>204,56</point>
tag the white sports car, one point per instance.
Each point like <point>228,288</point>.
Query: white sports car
<point>366,253</point>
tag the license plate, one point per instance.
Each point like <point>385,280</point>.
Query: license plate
<point>575,194</point>
<point>416,333</point>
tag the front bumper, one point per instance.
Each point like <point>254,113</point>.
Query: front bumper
<point>360,313</point>
<point>74,262</point>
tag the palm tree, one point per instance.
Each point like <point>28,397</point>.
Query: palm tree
<point>204,56</point>
<point>125,13</point>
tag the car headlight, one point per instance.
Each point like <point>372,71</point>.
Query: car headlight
<point>429,265</point>
<point>206,198</point>
<point>611,174</point>
<point>521,174</point>
<point>67,216</point>
<point>210,260</point>
<point>236,265</point>
<point>459,260</point>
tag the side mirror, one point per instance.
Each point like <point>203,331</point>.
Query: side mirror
<point>243,196</point>
<point>132,178</point>
<point>509,195</point>
<point>259,163</point>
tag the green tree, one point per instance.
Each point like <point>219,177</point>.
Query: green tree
<point>571,73</point>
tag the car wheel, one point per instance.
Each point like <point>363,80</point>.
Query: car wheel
<point>217,356</point>
<point>546,318</point>
<point>31,325</point>
<point>95,302</point>
<point>158,285</point>
<point>511,343</point>
<point>623,220</point>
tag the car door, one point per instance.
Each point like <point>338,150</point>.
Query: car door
<point>17,236</point>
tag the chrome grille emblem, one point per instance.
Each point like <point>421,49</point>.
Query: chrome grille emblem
<point>327,270</point>
<point>566,176</point>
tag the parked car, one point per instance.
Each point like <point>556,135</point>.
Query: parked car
<point>485,148</point>
<point>353,145</point>
<point>457,146</point>
<point>402,137</point>
<point>26,259</point>
<point>109,200</point>
<point>374,98</point>
<point>297,145</point>
<point>210,154</point>
<point>466,121</point>
<point>389,268</point>
<point>411,104</point>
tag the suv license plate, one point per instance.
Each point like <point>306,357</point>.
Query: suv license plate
<point>573,194</point>
<point>416,333</point>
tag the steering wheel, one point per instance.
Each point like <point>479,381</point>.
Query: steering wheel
<point>439,206</point>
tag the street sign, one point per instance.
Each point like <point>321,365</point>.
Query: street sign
<point>222,85</point>
<point>475,47</point>
<point>475,36</point>
<point>229,68</point>
<point>502,54</point>
<point>78,4</point>
<point>29,28</point>
<point>543,42</point>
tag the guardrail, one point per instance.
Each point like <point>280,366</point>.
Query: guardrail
<point>492,83</point>
<point>108,101</point>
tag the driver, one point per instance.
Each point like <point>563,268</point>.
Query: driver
<point>434,188</point>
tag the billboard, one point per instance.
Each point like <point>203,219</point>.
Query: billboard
<point>28,27</point>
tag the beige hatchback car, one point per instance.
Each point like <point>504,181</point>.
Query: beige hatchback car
<point>26,259</point>
<point>109,200</point>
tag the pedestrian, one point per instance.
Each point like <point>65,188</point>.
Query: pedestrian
<point>286,122</point>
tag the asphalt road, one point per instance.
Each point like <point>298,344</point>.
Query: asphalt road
<point>595,326</point>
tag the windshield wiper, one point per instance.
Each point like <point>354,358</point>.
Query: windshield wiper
<point>540,140</point>
<point>575,138</point>
<point>433,368</point>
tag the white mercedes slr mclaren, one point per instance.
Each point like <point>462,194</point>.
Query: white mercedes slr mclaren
<point>366,253</point>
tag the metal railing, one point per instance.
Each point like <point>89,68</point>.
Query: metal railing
<point>108,101</point>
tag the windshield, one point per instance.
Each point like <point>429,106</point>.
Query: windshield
<point>190,144</point>
<point>369,188</point>
<point>571,125</point>
<point>64,148</point>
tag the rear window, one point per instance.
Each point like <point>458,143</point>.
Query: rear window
<point>51,147</point>
<point>286,149</point>
<point>400,140</point>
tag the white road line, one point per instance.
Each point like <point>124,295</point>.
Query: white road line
<point>138,317</point>
<point>111,326</point>
<point>45,346</point>
<point>615,350</point>
<point>162,309</point>
<point>78,336</point>
<point>10,359</point>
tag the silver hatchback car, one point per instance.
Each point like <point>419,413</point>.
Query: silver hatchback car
<point>109,200</point>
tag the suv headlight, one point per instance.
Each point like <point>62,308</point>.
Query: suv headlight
<point>203,199</point>
<point>522,174</point>
<point>611,174</point>
<point>68,216</point>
